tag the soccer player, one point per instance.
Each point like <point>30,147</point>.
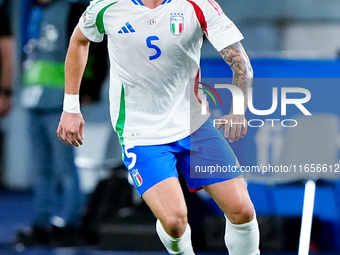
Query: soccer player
<point>154,49</point>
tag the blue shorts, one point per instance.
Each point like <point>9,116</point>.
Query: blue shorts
<point>203,158</point>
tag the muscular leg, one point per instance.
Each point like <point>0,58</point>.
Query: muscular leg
<point>242,233</point>
<point>233,198</point>
<point>166,201</point>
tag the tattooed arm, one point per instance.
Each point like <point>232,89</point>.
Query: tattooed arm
<point>236,57</point>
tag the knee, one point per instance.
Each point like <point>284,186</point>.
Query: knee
<point>175,223</point>
<point>242,213</point>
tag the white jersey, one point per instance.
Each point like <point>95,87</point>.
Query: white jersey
<point>155,56</point>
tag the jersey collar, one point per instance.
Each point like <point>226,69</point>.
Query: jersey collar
<point>139,2</point>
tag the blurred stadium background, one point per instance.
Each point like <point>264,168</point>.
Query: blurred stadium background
<point>286,40</point>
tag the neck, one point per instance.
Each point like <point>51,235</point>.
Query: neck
<point>152,4</point>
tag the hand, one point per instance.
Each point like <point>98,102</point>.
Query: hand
<point>5,105</point>
<point>235,126</point>
<point>70,128</point>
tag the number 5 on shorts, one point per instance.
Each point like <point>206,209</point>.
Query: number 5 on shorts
<point>130,155</point>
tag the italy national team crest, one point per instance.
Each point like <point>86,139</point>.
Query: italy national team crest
<point>136,177</point>
<point>176,23</point>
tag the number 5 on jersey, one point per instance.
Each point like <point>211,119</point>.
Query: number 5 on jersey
<point>151,45</point>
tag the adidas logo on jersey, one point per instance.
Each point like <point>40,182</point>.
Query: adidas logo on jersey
<point>126,29</point>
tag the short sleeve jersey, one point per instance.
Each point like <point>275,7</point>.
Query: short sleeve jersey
<point>154,56</point>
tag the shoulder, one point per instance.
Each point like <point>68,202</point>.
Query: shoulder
<point>92,21</point>
<point>207,6</point>
<point>96,9</point>
<point>99,5</point>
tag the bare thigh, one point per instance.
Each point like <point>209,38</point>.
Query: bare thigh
<point>166,201</point>
<point>233,198</point>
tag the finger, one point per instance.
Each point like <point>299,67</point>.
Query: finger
<point>78,139</point>
<point>238,132</point>
<point>226,130</point>
<point>59,135</point>
<point>64,137</point>
<point>59,131</point>
<point>72,138</point>
<point>80,135</point>
<point>219,124</point>
<point>244,131</point>
<point>232,133</point>
<point>81,130</point>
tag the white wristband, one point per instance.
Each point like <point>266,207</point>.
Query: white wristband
<point>71,103</point>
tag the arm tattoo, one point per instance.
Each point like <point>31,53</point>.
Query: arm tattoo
<point>236,57</point>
